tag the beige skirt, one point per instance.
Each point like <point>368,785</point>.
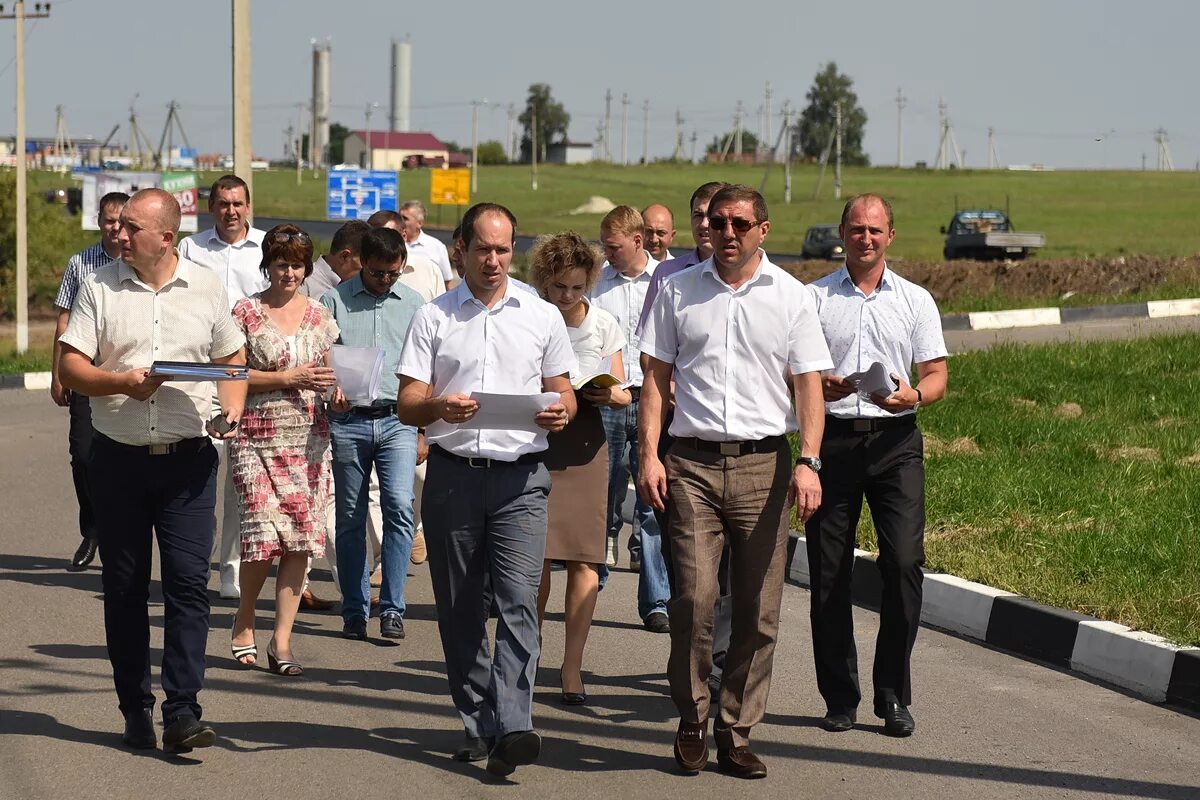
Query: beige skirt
<point>578,462</point>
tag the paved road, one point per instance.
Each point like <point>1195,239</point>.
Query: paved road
<point>375,718</point>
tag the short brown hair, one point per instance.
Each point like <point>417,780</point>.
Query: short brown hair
<point>737,193</point>
<point>624,220</point>
<point>705,191</point>
<point>290,242</point>
<point>863,198</point>
<point>382,217</point>
<point>227,183</point>
<point>553,255</point>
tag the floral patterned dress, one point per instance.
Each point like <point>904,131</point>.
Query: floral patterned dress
<point>280,457</point>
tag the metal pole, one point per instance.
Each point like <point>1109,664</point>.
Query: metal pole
<point>837,164</point>
<point>370,150</point>
<point>299,140</point>
<point>645,133</point>
<point>474,147</point>
<point>787,152</point>
<point>22,220</point>
<point>900,101</point>
<point>625,129</point>
<point>242,147</point>
<point>533,146</point>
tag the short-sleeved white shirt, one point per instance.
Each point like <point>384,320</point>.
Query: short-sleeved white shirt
<point>237,265</point>
<point>121,324</point>
<point>595,341</point>
<point>898,325</point>
<point>734,350</point>
<point>623,297</point>
<point>436,252</point>
<point>423,276</point>
<point>457,344</point>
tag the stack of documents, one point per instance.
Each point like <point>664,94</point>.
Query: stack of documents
<point>359,372</point>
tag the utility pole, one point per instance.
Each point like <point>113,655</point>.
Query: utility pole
<point>993,159</point>
<point>608,124</point>
<point>299,141</point>
<point>767,112</point>
<point>370,148</point>
<point>678,154</point>
<point>475,146</point>
<point>787,151</point>
<point>243,150</point>
<point>533,146</point>
<point>946,142</point>
<point>1165,164</point>
<point>693,156</point>
<point>737,131</point>
<point>901,101</point>
<point>62,140</point>
<point>646,133</point>
<point>625,129</point>
<point>837,149</point>
<point>510,142</point>
<point>19,16</point>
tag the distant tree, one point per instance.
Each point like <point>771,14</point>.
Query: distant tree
<point>816,124</point>
<point>718,144</point>
<point>492,153</point>
<point>337,141</point>
<point>455,147</point>
<point>552,120</point>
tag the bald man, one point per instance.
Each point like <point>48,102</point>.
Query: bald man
<point>660,231</point>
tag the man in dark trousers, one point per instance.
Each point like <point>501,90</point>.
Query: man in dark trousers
<point>152,461</point>
<point>872,447</point>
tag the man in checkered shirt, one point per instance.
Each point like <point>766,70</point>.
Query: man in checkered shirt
<point>79,266</point>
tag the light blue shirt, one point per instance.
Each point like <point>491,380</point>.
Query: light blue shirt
<point>897,325</point>
<point>368,320</point>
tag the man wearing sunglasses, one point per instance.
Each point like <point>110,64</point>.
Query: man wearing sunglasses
<point>742,340</point>
<point>373,309</point>
<point>231,248</point>
<point>872,447</point>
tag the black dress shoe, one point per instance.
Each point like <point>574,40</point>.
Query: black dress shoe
<point>355,628</point>
<point>837,721</point>
<point>186,732</point>
<point>474,748</point>
<point>896,719</point>
<point>574,698</point>
<point>740,762</point>
<point>139,731</point>
<point>657,622</point>
<point>691,746</point>
<point>84,555</point>
<point>513,750</point>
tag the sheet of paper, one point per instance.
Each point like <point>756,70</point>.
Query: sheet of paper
<point>875,379</point>
<point>508,412</point>
<point>191,371</point>
<point>359,372</point>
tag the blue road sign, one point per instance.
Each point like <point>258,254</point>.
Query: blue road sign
<point>359,193</point>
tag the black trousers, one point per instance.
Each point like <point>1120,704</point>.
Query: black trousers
<point>171,497</point>
<point>79,441</point>
<point>888,468</point>
<point>723,609</point>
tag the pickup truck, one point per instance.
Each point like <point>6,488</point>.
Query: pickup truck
<point>984,234</point>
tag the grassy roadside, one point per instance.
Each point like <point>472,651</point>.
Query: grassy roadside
<point>1071,474</point>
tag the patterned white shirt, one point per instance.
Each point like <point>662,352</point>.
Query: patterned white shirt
<point>624,297</point>
<point>436,252</point>
<point>457,344</point>
<point>237,265</point>
<point>79,266</point>
<point>898,325</point>
<point>121,324</point>
<point>734,350</point>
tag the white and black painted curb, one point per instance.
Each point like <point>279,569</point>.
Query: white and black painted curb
<point>1038,317</point>
<point>26,380</point>
<point>1142,663</point>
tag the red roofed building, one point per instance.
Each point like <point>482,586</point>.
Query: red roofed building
<point>395,150</point>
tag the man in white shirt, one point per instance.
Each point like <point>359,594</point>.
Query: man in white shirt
<point>660,231</point>
<point>873,448</point>
<point>232,248</point>
<point>621,291</point>
<point>485,495</point>
<point>742,340</point>
<point>412,223</point>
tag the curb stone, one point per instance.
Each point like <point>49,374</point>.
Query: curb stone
<point>1147,665</point>
<point>1038,317</point>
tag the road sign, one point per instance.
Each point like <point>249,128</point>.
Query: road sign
<point>450,187</point>
<point>359,193</point>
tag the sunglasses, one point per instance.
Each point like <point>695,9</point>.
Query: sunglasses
<point>384,275</point>
<point>718,223</point>
<point>282,237</point>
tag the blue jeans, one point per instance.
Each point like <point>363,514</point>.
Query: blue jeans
<point>358,441</point>
<point>620,429</point>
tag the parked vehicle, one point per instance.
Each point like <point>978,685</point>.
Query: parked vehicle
<point>986,234</point>
<point>822,241</point>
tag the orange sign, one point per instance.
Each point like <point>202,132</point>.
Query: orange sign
<point>450,187</point>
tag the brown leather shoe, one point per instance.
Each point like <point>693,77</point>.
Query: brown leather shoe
<point>740,762</point>
<point>691,746</point>
<point>419,553</point>
<point>310,602</point>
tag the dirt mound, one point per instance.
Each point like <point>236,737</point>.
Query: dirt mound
<point>1069,411</point>
<point>962,446</point>
<point>1052,280</point>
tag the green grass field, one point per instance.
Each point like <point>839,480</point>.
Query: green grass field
<point>1094,506</point>
<point>1081,213</point>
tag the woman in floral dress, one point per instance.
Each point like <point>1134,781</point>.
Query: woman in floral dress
<point>280,458</point>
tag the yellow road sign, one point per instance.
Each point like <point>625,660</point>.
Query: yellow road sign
<point>450,187</point>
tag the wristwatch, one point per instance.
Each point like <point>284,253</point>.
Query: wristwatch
<point>808,461</point>
<point>920,399</point>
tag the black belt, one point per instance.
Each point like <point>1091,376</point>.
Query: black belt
<point>635,392</point>
<point>767,445</point>
<point>190,446</point>
<point>375,412</point>
<point>476,462</point>
<point>863,425</point>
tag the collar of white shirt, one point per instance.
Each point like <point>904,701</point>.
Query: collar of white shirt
<point>183,273</point>
<point>885,282</point>
<point>254,238</point>
<point>463,294</point>
<point>709,267</point>
<point>611,273</point>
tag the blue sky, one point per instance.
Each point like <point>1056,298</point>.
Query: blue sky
<point>1066,83</point>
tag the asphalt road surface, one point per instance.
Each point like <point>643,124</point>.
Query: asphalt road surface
<point>374,719</point>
